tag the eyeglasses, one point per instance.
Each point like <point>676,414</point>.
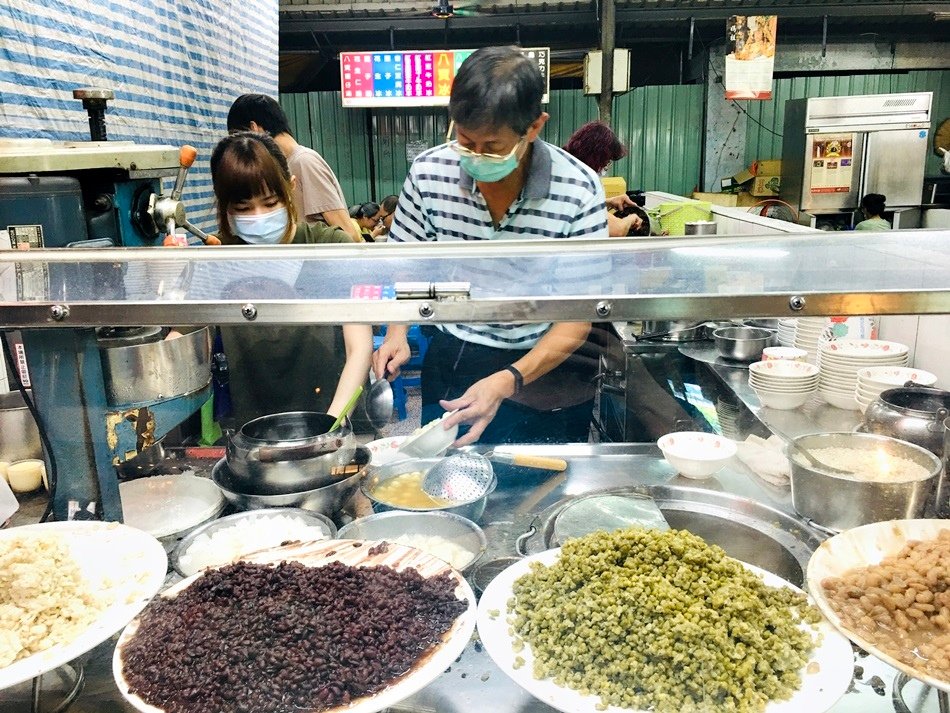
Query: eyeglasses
<point>492,157</point>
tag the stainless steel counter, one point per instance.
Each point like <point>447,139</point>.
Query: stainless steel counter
<point>474,683</point>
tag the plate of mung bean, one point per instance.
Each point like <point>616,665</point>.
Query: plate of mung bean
<point>645,620</point>
<point>886,586</point>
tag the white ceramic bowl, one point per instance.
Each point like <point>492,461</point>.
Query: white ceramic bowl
<point>808,389</point>
<point>783,369</point>
<point>784,401</point>
<point>430,441</point>
<point>891,376</point>
<point>386,450</point>
<point>783,354</point>
<point>695,454</point>
<point>839,400</point>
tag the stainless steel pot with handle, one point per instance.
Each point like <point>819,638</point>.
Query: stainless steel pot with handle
<point>914,414</point>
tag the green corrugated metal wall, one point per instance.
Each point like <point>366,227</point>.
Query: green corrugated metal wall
<point>764,141</point>
<point>661,125</point>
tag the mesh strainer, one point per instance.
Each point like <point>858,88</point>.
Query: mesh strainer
<point>462,477</point>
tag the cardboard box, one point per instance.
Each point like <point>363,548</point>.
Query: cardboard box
<point>746,199</point>
<point>768,167</point>
<point>765,186</point>
<point>727,199</point>
<point>614,185</point>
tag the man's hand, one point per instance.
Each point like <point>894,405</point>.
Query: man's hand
<point>478,405</point>
<point>392,354</point>
<point>631,223</point>
<point>620,202</point>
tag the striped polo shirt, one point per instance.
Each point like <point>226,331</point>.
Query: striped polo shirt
<point>562,198</point>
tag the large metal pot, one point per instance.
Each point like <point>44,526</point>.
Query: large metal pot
<point>327,500</point>
<point>838,503</point>
<point>742,343</point>
<point>678,330</point>
<point>19,437</point>
<point>913,414</point>
<point>288,452</point>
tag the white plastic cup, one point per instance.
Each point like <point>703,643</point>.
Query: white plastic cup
<point>3,470</point>
<point>786,353</point>
<point>25,476</point>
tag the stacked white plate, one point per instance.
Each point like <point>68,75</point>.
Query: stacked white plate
<point>808,332</point>
<point>875,379</point>
<point>841,361</point>
<point>782,384</point>
<point>728,415</point>
<point>786,332</point>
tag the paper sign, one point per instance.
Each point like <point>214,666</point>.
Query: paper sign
<point>750,56</point>
<point>412,78</point>
<point>832,162</point>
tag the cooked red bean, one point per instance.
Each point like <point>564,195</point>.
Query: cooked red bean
<point>251,637</point>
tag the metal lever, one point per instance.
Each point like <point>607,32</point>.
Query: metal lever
<point>186,157</point>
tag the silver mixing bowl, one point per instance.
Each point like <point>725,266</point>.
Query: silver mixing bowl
<point>391,525</point>
<point>327,500</point>
<point>742,343</point>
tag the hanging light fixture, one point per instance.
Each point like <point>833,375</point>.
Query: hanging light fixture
<point>443,10</point>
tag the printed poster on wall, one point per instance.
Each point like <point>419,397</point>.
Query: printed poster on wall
<point>832,161</point>
<point>750,56</point>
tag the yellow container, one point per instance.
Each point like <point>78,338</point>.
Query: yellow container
<point>614,185</point>
<point>673,217</point>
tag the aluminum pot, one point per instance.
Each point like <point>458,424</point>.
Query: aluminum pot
<point>838,503</point>
<point>742,343</point>
<point>678,330</point>
<point>700,227</point>
<point>19,437</point>
<point>374,475</point>
<point>288,452</point>
<point>328,500</point>
<point>914,414</point>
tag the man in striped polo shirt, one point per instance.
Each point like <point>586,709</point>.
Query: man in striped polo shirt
<point>497,180</point>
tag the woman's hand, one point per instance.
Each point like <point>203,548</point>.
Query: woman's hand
<point>631,223</point>
<point>478,405</point>
<point>392,353</point>
<point>620,202</point>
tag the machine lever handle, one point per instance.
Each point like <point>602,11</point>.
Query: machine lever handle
<point>186,157</point>
<point>206,238</point>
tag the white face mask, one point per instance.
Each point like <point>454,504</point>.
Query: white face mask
<point>260,228</point>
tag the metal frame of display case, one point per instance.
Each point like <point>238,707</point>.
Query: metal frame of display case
<point>512,281</point>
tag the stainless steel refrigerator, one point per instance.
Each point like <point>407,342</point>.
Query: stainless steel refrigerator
<point>837,149</point>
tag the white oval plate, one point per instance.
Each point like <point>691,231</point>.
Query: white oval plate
<point>860,547</point>
<point>386,450</point>
<point>818,693</point>
<point>128,563</point>
<point>316,554</point>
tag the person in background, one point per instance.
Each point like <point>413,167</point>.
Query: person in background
<point>279,368</point>
<point>872,205</point>
<point>496,180</point>
<point>317,192</point>
<point>597,146</point>
<point>388,210</point>
<point>367,217</point>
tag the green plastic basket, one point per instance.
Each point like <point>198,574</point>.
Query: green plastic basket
<point>673,217</point>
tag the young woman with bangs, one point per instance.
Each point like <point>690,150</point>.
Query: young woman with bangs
<point>280,368</point>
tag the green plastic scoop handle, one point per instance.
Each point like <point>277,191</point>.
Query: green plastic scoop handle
<point>349,407</point>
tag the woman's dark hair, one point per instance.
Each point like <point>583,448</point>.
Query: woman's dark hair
<point>389,204</point>
<point>262,110</point>
<point>873,204</point>
<point>246,165</point>
<point>496,87</point>
<point>595,144</point>
<point>367,210</point>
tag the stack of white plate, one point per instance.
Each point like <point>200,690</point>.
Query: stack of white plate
<point>808,332</point>
<point>875,379</point>
<point>841,361</point>
<point>728,415</point>
<point>782,384</point>
<point>786,332</point>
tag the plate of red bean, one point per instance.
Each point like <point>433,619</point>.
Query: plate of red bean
<point>319,626</point>
<point>886,586</point>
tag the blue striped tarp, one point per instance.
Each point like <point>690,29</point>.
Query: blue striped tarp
<point>175,68</point>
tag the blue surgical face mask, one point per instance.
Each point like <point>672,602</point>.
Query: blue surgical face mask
<point>261,228</point>
<point>488,171</point>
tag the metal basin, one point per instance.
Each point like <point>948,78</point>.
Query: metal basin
<point>19,436</point>
<point>745,529</point>
<point>742,343</point>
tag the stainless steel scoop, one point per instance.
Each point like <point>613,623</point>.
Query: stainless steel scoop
<point>379,402</point>
<point>461,478</point>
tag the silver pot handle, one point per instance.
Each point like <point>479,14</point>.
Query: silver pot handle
<point>522,538</point>
<point>937,425</point>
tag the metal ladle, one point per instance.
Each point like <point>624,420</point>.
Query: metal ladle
<point>379,402</point>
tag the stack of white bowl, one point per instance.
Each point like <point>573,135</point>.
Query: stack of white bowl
<point>783,384</point>
<point>808,332</point>
<point>841,361</point>
<point>875,379</point>
<point>728,415</point>
<point>786,332</point>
